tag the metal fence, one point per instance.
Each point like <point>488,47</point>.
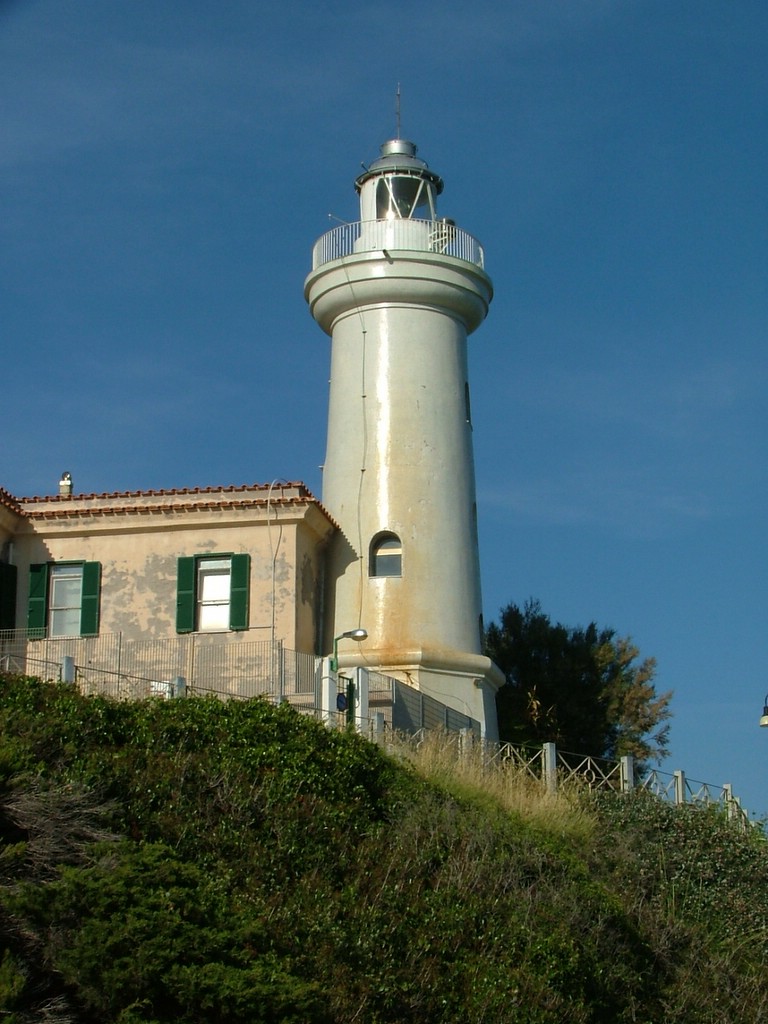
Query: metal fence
<point>200,664</point>
<point>413,710</point>
<point>555,769</point>
<point>407,710</point>
<point>112,665</point>
<point>437,236</point>
<point>197,665</point>
<point>677,788</point>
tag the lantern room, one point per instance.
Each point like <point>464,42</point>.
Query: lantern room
<point>398,186</point>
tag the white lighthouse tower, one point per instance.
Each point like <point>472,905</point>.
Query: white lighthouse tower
<point>399,291</point>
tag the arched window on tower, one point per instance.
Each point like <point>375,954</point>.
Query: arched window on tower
<point>386,557</point>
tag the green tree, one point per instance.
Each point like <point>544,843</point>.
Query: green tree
<point>582,688</point>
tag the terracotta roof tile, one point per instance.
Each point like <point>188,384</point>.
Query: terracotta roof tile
<point>10,502</point>
<point>230,488</point>
<point>70,506</point>
<point>62,511</point>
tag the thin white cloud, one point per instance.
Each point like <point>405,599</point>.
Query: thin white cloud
<point>670,401</point>
<point>72,93</point>
<point>637,454</point>
<point>636,502</point>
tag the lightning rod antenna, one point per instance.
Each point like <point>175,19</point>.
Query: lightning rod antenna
<point>397,110</point>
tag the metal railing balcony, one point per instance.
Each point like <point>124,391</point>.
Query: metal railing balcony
<point>438,236</point>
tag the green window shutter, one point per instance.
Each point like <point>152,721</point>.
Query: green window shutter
<point>239,591</point>
<point>185,595</point>
<point>37,612</point>
<point>89,608</point>
<point>7,596</point>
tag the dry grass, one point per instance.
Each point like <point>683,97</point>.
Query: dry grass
<point>464,771</point>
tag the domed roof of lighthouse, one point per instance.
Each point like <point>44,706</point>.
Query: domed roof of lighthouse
<point>398,156</point>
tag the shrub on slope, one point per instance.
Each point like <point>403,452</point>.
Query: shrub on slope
<point>239,862</point>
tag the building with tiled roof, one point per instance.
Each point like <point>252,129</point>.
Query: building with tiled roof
<point>154,564</point>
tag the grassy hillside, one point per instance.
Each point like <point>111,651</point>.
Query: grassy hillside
<point>195,861</point>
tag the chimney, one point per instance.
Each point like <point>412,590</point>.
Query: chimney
<point>65,484</point>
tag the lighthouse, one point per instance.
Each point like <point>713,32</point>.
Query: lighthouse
<point>399,291</point>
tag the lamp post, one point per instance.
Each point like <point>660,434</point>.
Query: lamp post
<point>357,635</point>
<point>351,634</point>
<point>764,716</point>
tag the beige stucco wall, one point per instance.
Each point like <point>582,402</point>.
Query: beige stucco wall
<point>138,539</point>
<point>9,524</point>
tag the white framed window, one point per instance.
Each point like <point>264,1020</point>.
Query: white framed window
<point>214,588</point>
<point>212,593</point>
<point>65,600</point>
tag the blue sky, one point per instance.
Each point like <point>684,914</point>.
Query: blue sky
<point>166,168</point>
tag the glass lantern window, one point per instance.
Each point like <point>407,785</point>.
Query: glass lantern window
<point>404,198</point>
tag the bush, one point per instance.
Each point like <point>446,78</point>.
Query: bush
<point>199,861</point>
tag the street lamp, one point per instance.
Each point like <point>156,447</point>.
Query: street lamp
<point>351,634</point>
<point>764,716</point>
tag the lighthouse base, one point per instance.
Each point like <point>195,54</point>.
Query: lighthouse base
<point>467,683</point>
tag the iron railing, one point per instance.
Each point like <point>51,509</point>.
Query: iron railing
<point>131,669</point>
<point>677,788</point>
<point>198,664</point>
<point>437,236</point>
<point>555,769</point>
